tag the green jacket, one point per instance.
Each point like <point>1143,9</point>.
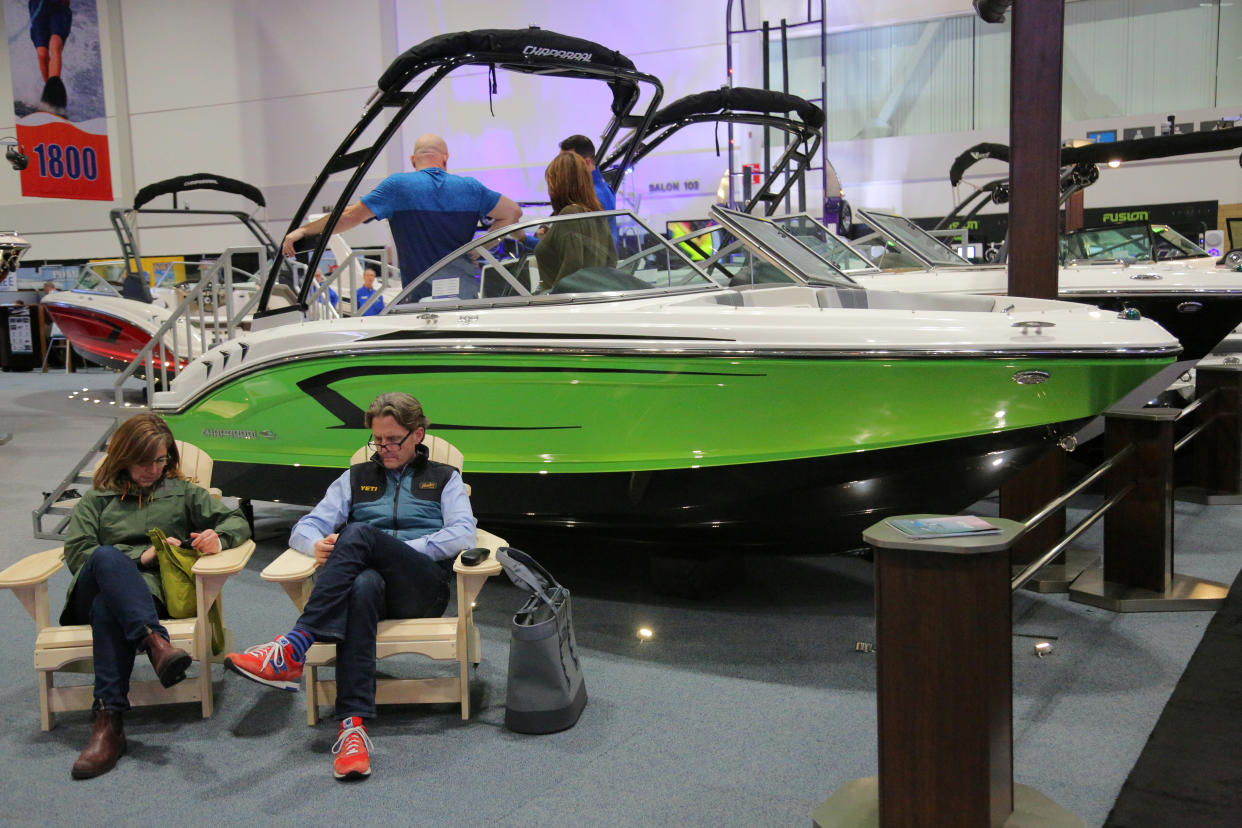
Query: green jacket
<point>104,518</point>
<point>568,247</point>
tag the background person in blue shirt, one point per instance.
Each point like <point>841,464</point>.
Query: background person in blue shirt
<point>366,292</point>
<point>329,297</point>
<point>430,211</point>
<point>386,534</point>
<point>584,148</point>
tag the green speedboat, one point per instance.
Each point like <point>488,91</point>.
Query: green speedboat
<point>637,397</point>
<point>644,399</point>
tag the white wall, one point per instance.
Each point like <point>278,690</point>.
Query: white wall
<point>263,91</point>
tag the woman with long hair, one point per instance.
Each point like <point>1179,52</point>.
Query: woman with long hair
<point>568,247</point>
<point>116,585</point>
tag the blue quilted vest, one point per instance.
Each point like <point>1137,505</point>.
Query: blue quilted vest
<point>407,506</point>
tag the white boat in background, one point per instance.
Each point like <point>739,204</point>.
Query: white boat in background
<point>112,315</point>
<point>1194,300</point>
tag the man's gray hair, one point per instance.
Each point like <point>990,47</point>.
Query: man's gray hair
<point>401,407</point>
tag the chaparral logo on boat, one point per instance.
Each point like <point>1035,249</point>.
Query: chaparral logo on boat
<point>544,51</point>
<point>1031,377</point>
<point>238,434</point>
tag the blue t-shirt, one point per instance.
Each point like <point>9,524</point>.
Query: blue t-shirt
<point>431,213</point>
<point>607,198</point>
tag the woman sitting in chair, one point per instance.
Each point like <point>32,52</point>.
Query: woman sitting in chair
<point>568,247</point>
<point>116,585</point>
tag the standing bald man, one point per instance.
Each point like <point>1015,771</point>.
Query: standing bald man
<point>430,211</point>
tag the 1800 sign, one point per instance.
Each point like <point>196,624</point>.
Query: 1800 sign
<point>56,161</point>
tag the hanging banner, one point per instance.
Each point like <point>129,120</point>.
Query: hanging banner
<point>58,98</point>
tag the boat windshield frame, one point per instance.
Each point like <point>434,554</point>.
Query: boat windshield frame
<point>914,240</point>
<point>508,269</point>
<point>832,240</point>
<point>769,241</point>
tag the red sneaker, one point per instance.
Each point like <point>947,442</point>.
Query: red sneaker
<point>271,664</point>
<point>352,751</point>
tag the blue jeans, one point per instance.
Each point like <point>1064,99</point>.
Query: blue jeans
<point>111,596</point>
<point>369,576</point>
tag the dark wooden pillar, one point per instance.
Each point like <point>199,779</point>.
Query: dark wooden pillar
<point>1138,575</point>
<point>945,678</point>
<point>1035,146</point>
<point>1138,533</point>
<point>1218,449</point>
<point>1025,494</point>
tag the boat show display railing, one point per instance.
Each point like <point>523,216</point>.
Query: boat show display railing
<point>944,615</point>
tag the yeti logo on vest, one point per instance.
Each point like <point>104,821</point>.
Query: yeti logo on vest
<point>369,488</point>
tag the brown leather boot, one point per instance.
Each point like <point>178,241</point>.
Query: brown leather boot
<point>106,745</point>
<point>169,662</point>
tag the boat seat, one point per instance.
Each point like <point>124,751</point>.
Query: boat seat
<point>895,300</point>
<point>452,638</point>
<point>832,297</point>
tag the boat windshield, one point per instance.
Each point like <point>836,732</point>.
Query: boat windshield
<point>562,258</point>
<point>897,234</point>
<point>765,251</point>
<point>1138,242</point>
<point>825,245</point>
<point>101,277</point>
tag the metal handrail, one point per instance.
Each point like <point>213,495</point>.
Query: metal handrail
<point>346,274</point>
<point>1082,526</point>
<point>1099,471</point>
<point>194,322</point>
<point>48,506</point>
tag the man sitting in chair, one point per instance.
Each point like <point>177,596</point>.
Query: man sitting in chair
<point>402,519</point>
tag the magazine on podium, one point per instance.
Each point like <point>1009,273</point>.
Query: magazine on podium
<point>944,527</point>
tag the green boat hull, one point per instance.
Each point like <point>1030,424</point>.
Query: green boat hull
<point>581,440</point>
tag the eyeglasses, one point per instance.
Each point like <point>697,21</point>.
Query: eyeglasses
<point>379,444</point>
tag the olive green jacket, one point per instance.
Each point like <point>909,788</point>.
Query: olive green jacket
<point>569,247</point>
<point>104,518</point>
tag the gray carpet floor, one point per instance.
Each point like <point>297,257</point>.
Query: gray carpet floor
<point>746,709</point>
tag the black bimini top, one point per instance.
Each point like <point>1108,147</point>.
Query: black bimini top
<point>797,117</point>
<point>515,49</point>
<point>198,181</point>
<point>741,98</point>
<point>1162,146</point>
<point>1138,149</point>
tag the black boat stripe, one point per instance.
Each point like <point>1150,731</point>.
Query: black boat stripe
<point>318,387</point>
<point>524,335</point>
